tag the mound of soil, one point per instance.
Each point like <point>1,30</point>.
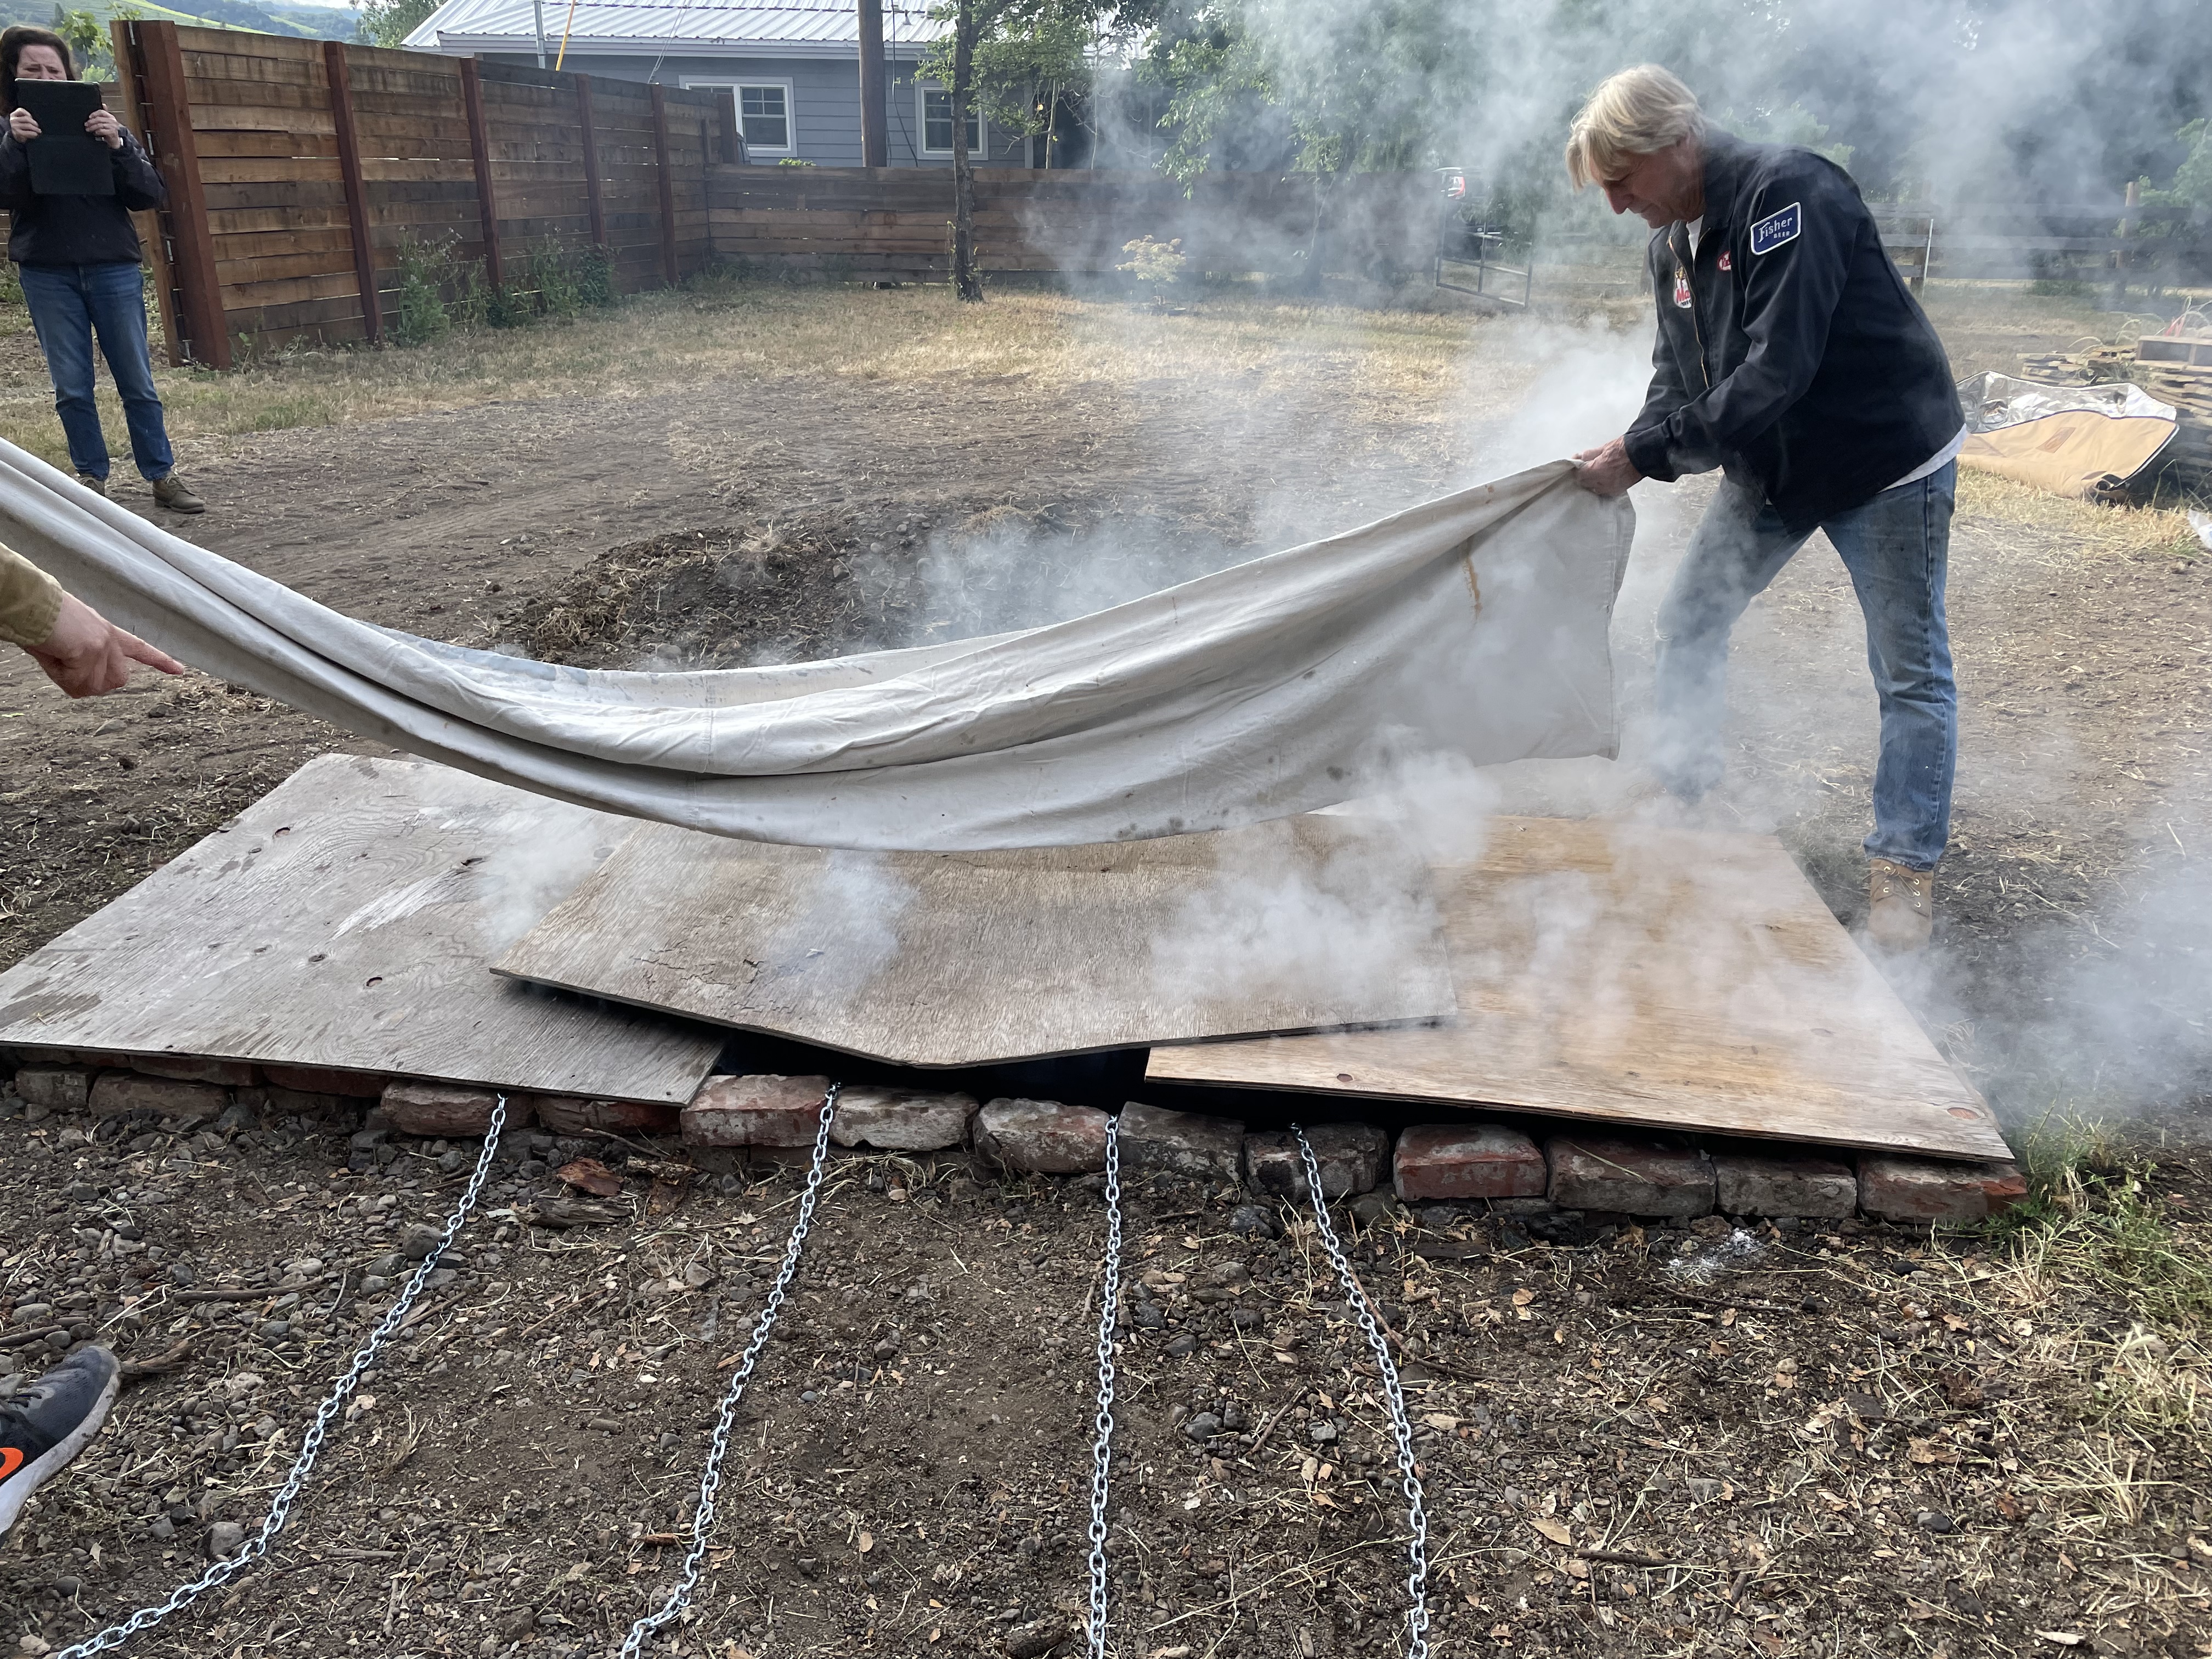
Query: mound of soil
<point>794,590</point>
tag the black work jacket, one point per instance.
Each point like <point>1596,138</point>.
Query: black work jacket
<point>77,230</point>
<point>1790,353</point>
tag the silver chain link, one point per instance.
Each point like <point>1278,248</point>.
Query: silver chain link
<point>311,1446</point>
<point>710,1481</point>
<point>1417,1518</point>
<point>1101,1446</point>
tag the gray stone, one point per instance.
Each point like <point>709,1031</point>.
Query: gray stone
<point>1155,1140</point>
<point>419,1240</point>
<point>116,1093</point>
<point>1250,1221</point>
<point>224,1540</point>
<point>1752,1185</point>
<point>901,1120</point>
<point>1376,1209</point>
<point>56,1088</point>
<point>1204,1426</point>
<point>1350,1156</point>
<point>1636,1177</point>
<point>1180,1346</point>
<point>1042,1137</point>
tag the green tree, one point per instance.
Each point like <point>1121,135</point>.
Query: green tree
<point>88,43</point>
<point>389,23</point>
<point>1011,61</point>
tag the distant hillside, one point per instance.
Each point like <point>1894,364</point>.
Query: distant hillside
<point>310,22</point>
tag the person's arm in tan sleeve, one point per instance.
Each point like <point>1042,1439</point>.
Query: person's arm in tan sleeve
<point>79,649</point>
<point>30,600</point>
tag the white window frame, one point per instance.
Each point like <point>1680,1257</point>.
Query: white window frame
<point>921,91</point>
<point>737,90</point>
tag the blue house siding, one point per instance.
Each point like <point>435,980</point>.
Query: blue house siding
<point>825,101</point>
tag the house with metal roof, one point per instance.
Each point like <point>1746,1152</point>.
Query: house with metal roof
<point>794,69</point>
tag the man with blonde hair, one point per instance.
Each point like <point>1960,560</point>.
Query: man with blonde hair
<point>1791,356</point>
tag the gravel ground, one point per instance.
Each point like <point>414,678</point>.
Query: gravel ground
<point>1672,1440</point>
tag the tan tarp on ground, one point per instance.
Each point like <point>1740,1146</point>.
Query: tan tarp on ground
<point>1473,626</point>
<point>2090,442</point>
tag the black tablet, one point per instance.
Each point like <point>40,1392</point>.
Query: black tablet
<point>65,158</point>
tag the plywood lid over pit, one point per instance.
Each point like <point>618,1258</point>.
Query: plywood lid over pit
<point>952,959</point>
<point>345,920</point>
<point>1660,978</point>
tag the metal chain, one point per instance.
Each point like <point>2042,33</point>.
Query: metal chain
<point>1417,1580</point>
<point>311,1445</point>
<point>710,1481</point>
<point>1102,1447</point>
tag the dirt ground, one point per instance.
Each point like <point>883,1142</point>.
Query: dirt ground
<point>1864,1442</point>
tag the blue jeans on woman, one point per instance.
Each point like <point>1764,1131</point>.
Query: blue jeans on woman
<point>68,305</point>
<point>1895,548</point>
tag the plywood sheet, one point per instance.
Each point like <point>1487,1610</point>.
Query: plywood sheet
<point>348,920</point>
<point>959,959</point>
<point>1663,978</point>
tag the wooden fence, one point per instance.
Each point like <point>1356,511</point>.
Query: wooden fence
<point>896,222</point>
<point>297,169</point>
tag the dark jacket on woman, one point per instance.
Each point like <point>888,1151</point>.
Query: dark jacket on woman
<point>77,230</point>
<point>1790,353</point>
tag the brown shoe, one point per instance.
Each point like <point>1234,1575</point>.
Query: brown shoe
<point>176,494</point>
<point>1901,907</point>
<point>97,486</point>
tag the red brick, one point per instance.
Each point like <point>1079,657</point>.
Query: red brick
<point>1920,1189</point>
<point>901,1120</point>
<point>759,1110</point>
<point>1042,1137</point>
<point>1469,1160</point>
<point>117,1092</point>
<point>1350,1157</point>
<point>572,1114</point>
<point>447,1110</point>
<point>1641,1177</point>
<point>58,1087</point>
<point>329,1080</point>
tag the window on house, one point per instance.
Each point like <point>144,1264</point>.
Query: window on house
<point>937,125</point>
<point>764,116</point>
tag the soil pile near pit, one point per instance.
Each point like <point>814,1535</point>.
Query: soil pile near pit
<point>724,598</point>
<point>737,595</point>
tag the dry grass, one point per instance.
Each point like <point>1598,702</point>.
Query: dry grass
<point>1396,363</point>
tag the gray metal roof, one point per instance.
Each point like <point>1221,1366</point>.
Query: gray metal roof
<point>464,26</point>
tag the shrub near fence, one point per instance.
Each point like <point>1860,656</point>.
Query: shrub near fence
<point>297,169</point>
<point>896,222</point>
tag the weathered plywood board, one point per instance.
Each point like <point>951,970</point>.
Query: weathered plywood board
<point>347,920</point>
<point>959,959</point>
<point>1669,979</point>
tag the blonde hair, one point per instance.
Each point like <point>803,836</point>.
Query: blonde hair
<point>1636,112</point>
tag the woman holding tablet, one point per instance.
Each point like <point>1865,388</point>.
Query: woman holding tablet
<point>79,256</point>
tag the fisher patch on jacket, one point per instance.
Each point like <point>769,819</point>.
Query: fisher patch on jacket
<point>1790,353</point>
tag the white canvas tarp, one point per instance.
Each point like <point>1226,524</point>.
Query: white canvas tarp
<point>1472,626</point>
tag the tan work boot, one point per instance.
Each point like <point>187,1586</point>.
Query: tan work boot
<point>97,486</point>
<point>1901,906</point>
<point>176,494</point>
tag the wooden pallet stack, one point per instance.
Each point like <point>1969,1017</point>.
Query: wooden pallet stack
<point>2175,370</point>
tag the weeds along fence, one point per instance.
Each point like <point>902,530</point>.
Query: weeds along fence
<point>302,173</point>
<point>894,223</point>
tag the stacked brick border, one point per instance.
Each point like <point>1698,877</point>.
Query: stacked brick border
<point>1599,1176</point>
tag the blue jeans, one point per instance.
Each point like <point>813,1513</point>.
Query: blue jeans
<point>67,304</point>
<point>1895,548</point>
